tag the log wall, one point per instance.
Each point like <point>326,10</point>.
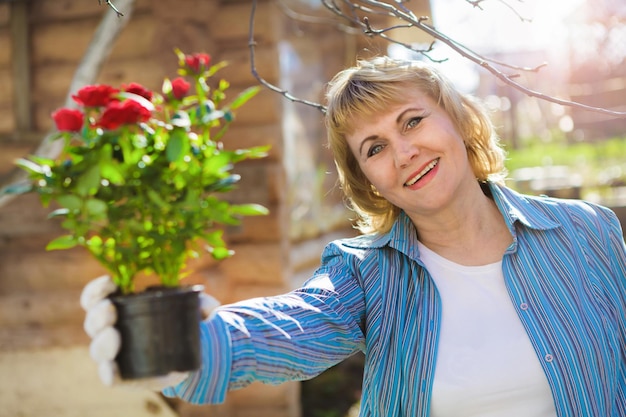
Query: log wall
<point>40,320</point>
<point>43,350</point>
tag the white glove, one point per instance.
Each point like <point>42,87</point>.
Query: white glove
<point>105,338</point>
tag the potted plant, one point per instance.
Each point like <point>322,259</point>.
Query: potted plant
<point>139,184</point>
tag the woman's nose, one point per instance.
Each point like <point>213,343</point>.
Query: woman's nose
<point>405,152</point>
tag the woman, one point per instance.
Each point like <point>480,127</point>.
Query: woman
<point>466,297</point>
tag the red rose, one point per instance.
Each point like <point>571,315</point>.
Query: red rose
<point>198,62</point>
<point>126,112</point>
<point>95,95</point>
<point>68,120</point>
<point>138,89</point>
<point>180,87</point>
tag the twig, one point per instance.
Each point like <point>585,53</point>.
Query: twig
<point>477,5</point>
<point>112,6</point>
<point>464,51</point>
<point>284,93</point>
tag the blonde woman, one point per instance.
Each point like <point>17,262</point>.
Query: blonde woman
<point>467,298</point>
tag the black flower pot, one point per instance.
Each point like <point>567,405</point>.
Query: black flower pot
<point>160,331</point>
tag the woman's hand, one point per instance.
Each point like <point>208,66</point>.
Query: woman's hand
<point>106,341</point>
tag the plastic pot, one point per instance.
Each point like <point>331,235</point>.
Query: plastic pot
<point>160,331</point>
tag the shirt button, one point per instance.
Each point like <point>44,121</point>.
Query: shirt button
<point>549,358</point>
<point>523,306</point>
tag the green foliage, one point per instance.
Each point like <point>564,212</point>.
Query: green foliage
<point>539,153</point>
<point>145,197</point>
<point>592,171</point>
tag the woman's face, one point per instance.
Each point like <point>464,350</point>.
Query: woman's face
<point>413,155</point>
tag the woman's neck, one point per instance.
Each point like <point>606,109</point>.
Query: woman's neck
<point>470,232</point>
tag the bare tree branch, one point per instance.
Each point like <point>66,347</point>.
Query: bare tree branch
<point>467,53</point>
<point>284,93</point>
<point>356,13</point>
<point>112,6</point>
<point>87,72</point>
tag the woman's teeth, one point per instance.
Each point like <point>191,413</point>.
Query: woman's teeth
<point>421,174</point>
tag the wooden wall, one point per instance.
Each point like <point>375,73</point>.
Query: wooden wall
<point>40,320</point>
<point>43,350</point>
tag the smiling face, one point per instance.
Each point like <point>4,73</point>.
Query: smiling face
<point>413,155</point>
<point>415,152</point>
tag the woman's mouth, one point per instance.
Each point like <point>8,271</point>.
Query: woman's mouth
<point>423,172</point>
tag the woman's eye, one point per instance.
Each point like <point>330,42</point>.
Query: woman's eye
<point>374,150</point>
<point>414,121</point>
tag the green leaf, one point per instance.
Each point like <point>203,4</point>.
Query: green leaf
<point>112,173</point>
<point>96,208</point>
<point>32,166</point>
<point>167,86</point>
<point>250,153</point>
<point>220,253</point>
<point>89,183</point>
<point>156,199</point>
<point>223,85</point>
<point>95,245</point>
<point>177,145</point>
<point>70,202</point>
<point>215,239</point>
<point>58,213</point>
<point>249,210</point>
<point>215,68</point>
<point>243,97</point>
<point>225,184</point>
<point>62,242</point>
<point>217,164</point>
<point>95,241</point>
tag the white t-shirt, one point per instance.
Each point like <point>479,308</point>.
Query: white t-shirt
<point>486,365</point>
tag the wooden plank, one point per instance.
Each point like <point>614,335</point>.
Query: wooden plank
<point>264,108</point>
<point>46,11</point>
<point>143,70</point>
<point>259,264</point>
<point>269,228</point>
<point>55,42</point>
<point>5,47</point>
<point>262,182</point>
<point>5,14</point>
<point>37,308</point>
<point>136,40</point>
<point>242,136</point>
<point>11,151</point>
<point>21,66</point>
<point>232,23</point>
<point>46,271</point>
<point>32,336</point>
<point>7,121</point>
<point>267,63</point>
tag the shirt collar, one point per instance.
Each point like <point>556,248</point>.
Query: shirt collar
<point>514,207</point>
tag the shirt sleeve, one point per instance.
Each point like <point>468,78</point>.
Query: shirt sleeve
<point>617,253</point>
<point>294,336</point>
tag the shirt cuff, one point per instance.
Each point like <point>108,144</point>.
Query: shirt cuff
<point>209,384</point>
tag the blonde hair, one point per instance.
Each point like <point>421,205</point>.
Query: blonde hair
<point>371,87</point>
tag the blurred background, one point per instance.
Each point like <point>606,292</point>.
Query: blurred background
<point>556,150</point>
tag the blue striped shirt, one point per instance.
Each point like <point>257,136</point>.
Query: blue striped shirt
<point>565,273</point>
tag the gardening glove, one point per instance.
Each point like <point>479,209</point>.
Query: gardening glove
<point>105,338</point>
